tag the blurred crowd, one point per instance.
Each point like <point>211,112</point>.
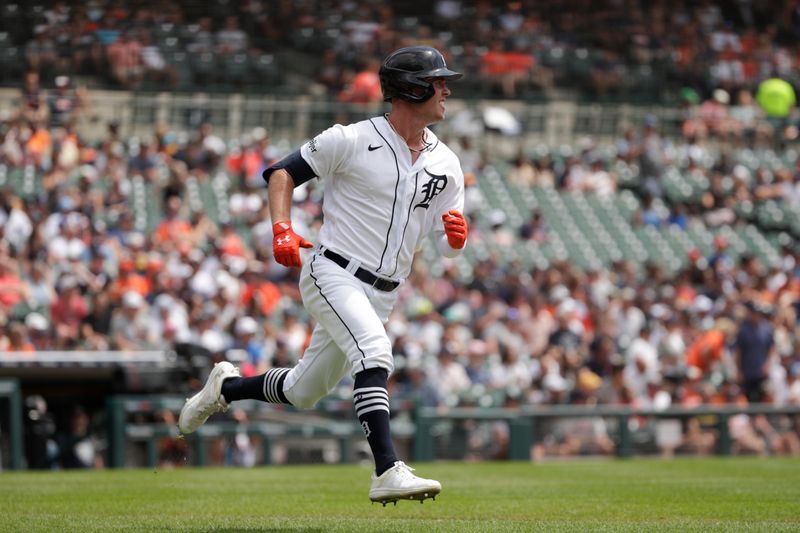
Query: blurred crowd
<point>514,49</point>
<point>81,269</point>
<point>78,271</point>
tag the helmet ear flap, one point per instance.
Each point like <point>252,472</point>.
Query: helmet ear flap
<point>397,83</point>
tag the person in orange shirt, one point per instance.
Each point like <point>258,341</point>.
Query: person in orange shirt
<point>506,70</point>
<point>17,339</point>
<point>129,280</point>
<point>173,228</point>
<point>12,288</point>
<point>230,243</point>
<point>40,145</point>
<point>259,295</point>
<point>365,87</point>
<point>710,346</point>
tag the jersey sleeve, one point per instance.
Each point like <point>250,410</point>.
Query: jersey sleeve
<point>327,152</point>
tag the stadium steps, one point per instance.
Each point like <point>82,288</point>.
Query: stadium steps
<point>628,246</point>
<point>496,192</point>
<point>628,176</point>
<point>758,244</point>
<point>557,210</point>
<point>140,199</point>
<point>220,185</point>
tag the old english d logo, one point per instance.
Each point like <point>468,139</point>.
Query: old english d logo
<point>434,186</point>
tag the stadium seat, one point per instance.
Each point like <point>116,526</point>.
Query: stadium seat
<point>264,71</point>
<point>236,70</point>
<point>204,69</point>
<point>12,63</point>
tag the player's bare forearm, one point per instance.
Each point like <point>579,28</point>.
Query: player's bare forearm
<point>281,188</point>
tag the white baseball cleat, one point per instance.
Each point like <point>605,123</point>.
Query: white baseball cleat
<point>398,483</point>
<point>208,401</point>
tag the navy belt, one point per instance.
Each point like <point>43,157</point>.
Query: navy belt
<point>366,276</point>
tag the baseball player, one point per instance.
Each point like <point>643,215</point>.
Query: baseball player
<point>389,183</point>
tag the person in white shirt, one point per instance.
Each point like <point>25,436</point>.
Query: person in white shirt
<point>389,183</point>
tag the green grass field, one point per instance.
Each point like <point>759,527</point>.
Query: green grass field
<point>737,494</point>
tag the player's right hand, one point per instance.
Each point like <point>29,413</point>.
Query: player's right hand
<point>286,244</point>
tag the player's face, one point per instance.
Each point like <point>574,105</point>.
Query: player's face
<point>434,108</point>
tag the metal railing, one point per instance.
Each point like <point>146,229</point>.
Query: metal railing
<point>92,358</point>
<point>342,429</point>
<point>522,423</point>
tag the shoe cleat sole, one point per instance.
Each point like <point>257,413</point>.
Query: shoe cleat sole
<point>420,496</point>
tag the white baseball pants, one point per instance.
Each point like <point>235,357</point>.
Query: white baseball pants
<point>349,335</point>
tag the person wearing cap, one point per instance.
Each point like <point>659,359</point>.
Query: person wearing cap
<point>720,260</point>
<point>129,328</point>
<point>38,331</point>
<point>714,112</point>
<point>129,279</point>
<point>245,330</point>
<point>63,102</point>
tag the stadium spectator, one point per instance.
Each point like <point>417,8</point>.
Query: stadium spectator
<point>67,312</point>
<point>38,332</point>
<point>96,326</point>
<point>12,290</point>
<point>93,232</point>
<point>540,45</point>
<point>125,60</point>
<point>522,172</point>
<point>230,39</point>
<point>77,447</point>
<point>18,339</point>
<point>452,378</point>
<point>40,53</point>
<point>155,68</point>
<point>754,350</point>
<point>364,87</point>
<point>506,71</point>
<point>129,328</point>
<point>588,435</point>
<point>34,98</point>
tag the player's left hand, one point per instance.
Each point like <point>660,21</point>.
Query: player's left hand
<point>455,226</point>
<point>286,244</point>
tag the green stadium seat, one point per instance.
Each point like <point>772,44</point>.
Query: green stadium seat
<point>264,70</point>
<point>236,70</point>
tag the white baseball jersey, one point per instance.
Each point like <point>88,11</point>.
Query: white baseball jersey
<point>378,206</point>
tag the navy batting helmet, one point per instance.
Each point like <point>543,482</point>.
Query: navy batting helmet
<point>406,73</point>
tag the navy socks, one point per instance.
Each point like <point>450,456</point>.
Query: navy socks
<point>371,401</point>
<point>267,387</point>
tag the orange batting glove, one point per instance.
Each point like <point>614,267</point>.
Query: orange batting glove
<point>286,244</point>
<point>456,229</point>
